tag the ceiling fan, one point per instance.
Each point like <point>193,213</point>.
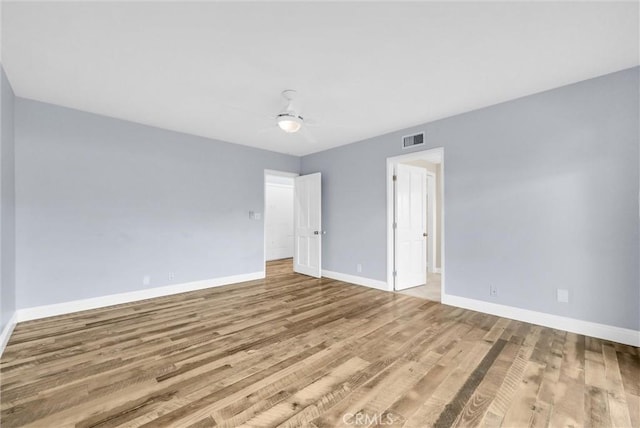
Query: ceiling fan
<point>290,120</point>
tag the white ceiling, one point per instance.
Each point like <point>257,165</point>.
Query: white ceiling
<point>361,69</point>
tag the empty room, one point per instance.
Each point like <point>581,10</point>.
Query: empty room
<point>319,214</point>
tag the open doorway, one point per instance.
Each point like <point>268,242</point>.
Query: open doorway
<point>415,206</point>
<point>278,222</point>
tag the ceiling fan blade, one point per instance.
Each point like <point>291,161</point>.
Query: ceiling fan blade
<point>308,135</point>
<point>311,123</point>
<point>269,130</point>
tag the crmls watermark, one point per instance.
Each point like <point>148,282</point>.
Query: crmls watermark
<point>366,420</point>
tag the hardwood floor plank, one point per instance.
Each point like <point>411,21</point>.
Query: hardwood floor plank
<point>549,384</point>
<point>429,413</point>
<point>616,396</point>
<point>629,364</point>
<point>633,401</point>
<point>477,405</point>
<point>454,408</point>
<point>513,379</point>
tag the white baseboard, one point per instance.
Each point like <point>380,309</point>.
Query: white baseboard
<point>6,332</point>
<point>587,328</point>
<point>116,299</point>
<point>602,331</point>
<point>358,280</point>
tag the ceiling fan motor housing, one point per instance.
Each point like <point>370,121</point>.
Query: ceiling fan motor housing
<point>289,121</point>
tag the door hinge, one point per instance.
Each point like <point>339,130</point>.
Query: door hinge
<point>395,225</point>
<point>395,177</point>
<point>395,273</point>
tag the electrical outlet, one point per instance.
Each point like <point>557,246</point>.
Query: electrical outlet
<point>146,280</point>
<point>562,295</point>
<point>359,267</point>
<point>493,290</point>
<point>171,276</point>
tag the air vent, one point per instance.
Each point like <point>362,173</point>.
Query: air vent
<point>413,140</point>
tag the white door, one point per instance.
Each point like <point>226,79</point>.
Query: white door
<point>410,226</point>
<point>307,225</point>
<point>431,222</point>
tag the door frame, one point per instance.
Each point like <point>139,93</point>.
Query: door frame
<point>433,155</point>
<point>264,207</point>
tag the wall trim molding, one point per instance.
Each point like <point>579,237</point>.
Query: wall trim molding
<point>6,332</point>
<point>45,311</point>
<point>285,186</point>
<point>587,328</point>
<point>358,280</point>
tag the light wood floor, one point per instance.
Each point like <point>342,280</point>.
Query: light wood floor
<point>430,291</point>
<point>295,351</point>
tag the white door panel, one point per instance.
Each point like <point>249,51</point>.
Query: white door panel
<point>411,225</point>
<point>431,223</point>
<point>307,225</point>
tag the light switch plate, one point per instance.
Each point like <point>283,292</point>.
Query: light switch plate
<point>563,295</point>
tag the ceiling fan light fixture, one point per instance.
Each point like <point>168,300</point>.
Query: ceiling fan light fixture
<point>289,123</point>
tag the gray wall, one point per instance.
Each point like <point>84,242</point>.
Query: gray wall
<point>102,202</point>
<point>540,193</point>
<point>7,203</point>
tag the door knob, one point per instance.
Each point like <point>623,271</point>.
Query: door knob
<point>315,232</point>
<point>425,234</point>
